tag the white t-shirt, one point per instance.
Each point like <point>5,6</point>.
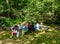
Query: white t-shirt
<point>37,26</point>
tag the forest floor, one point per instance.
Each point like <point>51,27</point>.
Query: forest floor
<point>52,36</point>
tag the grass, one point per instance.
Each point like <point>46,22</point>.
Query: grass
<point>39,37</point>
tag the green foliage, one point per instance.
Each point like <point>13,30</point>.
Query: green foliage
<point>4,20</point>
<point>31,10</point>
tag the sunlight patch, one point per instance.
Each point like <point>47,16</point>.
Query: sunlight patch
<point>32,38</point>
<point>54,41</point>
<point>2,32</point>
<point>50,30</point>
<point>27,42</point>
<point>0,42</point>
<point>42,32</point>
<point>18,40</point>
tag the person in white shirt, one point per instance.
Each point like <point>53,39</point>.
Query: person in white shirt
<point>37,26</point>
<point>15,31</point>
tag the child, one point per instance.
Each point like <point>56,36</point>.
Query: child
<point>15,32</point>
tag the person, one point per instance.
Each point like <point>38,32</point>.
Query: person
<point>15,31</point>
<point>20,26</point>
<point>32,25</point>
<point>29,27</point>
<point>23,29</point>
<point>20,29</point>
<point>37,26</point>
<point>17,34</point>
<point>3,26</point>
<point>26,28</point>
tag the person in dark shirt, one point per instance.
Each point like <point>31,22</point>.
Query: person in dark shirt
<point>29,27</point>
<point>32,25</point>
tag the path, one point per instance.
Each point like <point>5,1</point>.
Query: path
<point>27,39</point>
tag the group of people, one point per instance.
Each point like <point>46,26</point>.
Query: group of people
<point>21,29</point>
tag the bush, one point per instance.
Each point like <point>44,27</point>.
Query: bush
<point>3,20</point>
